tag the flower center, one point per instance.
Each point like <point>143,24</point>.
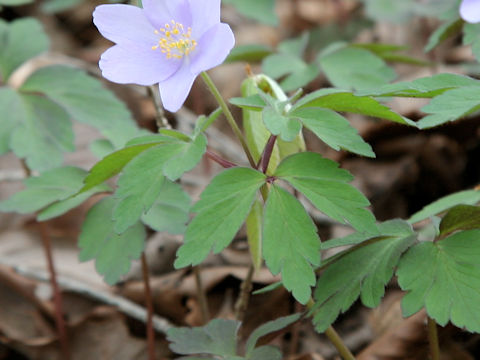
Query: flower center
<point>174,41</point>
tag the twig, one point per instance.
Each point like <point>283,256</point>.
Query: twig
<point>243,298</point>
<point>125,306</point>
<point>202,297</point>
<point>57,295</point>
<point>433,339</point>
<point>149,305</point>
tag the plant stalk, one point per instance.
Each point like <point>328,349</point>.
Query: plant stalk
<point>57,295</point>
<point>219,160</point>
<point>267,153</point>
<point>149,305</point>
<point>243,298</point>
<point>223,105</point>
<point>433,339</point>
<point>202,296</point>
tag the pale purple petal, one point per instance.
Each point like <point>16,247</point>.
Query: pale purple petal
<point>161,12</point>
<point>212,49</point>
<point>206,13</point>
<point>127,65</point>
<point>175,89</point>
<point>124,24</point>
<point>470,11</point>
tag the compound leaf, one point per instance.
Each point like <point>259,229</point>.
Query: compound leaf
<point>362,270</point>
<point>290,242</point>
<point>112,252</point>
<point>11,115</point>
<point>85,100</point>
<point>326,186</point>
<point>20,41</point>
<point>218,337</point>
<point>444,277</point>
<point>333,129</point>
<point>223,207</point>
<point>468,197</point>
<point>44,134</point>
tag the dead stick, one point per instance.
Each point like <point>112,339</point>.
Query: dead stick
<point>149,306</point>
<point>202,297</point>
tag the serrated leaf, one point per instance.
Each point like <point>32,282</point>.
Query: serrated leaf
<point>248,53</point>
<point>460,217</point>
<point>222,209</point>
<point>218,337</point>
<point>287,128</point>
<point>252,102</point>
<point>361,271</point>
<point>267,328</point>
<point>254,233</point>
<point>333,129</point>
<point>263,11</point>
<point>11,115</point>
<point>170,210</point>
<point>265,352</point>
<point>449,106</point>
<point>338,100</point>
<point>85,100</point>
<point>444,277</point>
<point>45,189</point>
<point>443,32</point>
<point>426,87</point>
<point>468,197</point>
<point>327,188</point>
<point>112,253</point>
<point>355,68</point>
<point>44,134</point>
<point>290,243</point>
<point>21,40</point>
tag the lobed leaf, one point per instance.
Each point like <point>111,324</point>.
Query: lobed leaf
<point>444,277</point>
<point>363,271</point>
<point>223,207</point>
<point>460,217</point>
<point>112,252</point>
<point>327,188</point>
<point>290,243</point>
<point>11,104</point>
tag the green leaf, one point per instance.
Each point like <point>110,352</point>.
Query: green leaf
<point>170,210</point>
<point>21,40</point>
<point>326,186</point>
<point>449,106</point>
<point>471,34</point>
<point>263,11</point>
<point>426,87</point>
<point>85,100</point>
<point>361,271</point>
<point>392,11</point>
<point>11,104</point>
<point>218,337</point>
<point>54,6</point>
<point>44,134</point>
<point>338,100</point>
<point>45,189</point>
<point>355,68</point>
<point>253,102</point>
<point>268,328</point>
<point>290,243</point>
<point>444,277</point>
<point>443,32</point>
<point>468,197</point>
<point>223,207</point>
<point>460,217</point>
<point>265,352</point>
<point>254,233</point>
<point>203,122</point>
<point>113,253</point>
<point>287,128</point>
<point>333,129</point>
<point>248,53</point>
<point>15,2</point>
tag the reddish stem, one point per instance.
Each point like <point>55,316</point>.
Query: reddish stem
<point>57,295</point>
<point>218,159</point>
<point>149,305</point>
<point>267,153</point>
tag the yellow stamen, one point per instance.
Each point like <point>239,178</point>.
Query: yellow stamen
<point>174,41</point>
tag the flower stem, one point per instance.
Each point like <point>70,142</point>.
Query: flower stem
<point>433,339</point>
<point>335,338</point>
<point>267,153</point>
<point>223,105</point>
<point>219,160</point>
<point>149,304</point>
